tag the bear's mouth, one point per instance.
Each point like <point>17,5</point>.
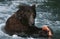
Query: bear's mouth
<point>31,20</point>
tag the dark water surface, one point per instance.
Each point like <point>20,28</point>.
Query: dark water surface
<point>7,8</point>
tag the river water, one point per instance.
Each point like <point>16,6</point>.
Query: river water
<point>7,8</point>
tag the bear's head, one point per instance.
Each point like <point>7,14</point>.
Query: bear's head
<point>26,14</point>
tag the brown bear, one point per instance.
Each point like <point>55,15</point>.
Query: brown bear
<point>22,23</point>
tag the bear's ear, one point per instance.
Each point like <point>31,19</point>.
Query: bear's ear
<point>34,10</point>
<point>33,6</point>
